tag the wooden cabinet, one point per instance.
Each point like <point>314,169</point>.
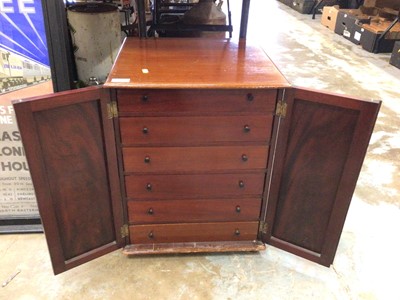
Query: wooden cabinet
<point>193,145</point>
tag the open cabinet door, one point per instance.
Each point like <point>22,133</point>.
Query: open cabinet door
<point>319,149</point>
<point>70,147</point>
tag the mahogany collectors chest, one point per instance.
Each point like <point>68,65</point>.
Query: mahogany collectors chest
<point>193,145</point>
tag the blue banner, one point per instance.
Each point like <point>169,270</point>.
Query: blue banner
<point>22,29</point>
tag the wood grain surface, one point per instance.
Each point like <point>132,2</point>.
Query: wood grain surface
<point>194,159</point>
<point>193,63</point>
<point>320,151</point>
<point>173,102</point>
<point>69,144</point>
<point>191,186</point>
<point>195,130</point>
<point>199,210</point>
<point>193,232</point>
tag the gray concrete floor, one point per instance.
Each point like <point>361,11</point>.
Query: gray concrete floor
<point>366,265</point>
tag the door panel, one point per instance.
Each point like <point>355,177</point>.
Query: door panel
<point>71,154</point>
<point>319,153</point>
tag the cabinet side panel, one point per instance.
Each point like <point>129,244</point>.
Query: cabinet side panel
<point>318,145</point>
<point>73,153</point>
<point>322,141</point>
<point>70,148</point>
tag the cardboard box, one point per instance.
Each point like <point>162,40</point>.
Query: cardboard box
<point>307,6</point>
<point>395,58</point>
<point>287,2</point>
<point>304,6</point>
<point>395,4</point>
<point>346,22</point>
<point>370,34</point>
<point>329,16</point>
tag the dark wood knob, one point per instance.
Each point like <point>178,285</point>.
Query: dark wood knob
<point>238,209</point>
<point>241,183</point>
<point>245,157</point>
<point>147,159</point>
<point>246,128</point>
<point>250,97</point>
<point>145,130</point>
<point>150,211</point>
<point>237,232</point>
<point>145,98</point>
<point>149,187</point>
<point>151,235</point>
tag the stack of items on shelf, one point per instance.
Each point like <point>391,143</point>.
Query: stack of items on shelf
<point>375,25</point>
<point>308,6</point>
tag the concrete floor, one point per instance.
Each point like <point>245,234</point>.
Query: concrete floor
<point>366,264</point>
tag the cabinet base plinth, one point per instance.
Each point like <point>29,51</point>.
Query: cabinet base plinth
<point>200,247</point>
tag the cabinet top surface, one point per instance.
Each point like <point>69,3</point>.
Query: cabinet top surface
<point>192,63</point>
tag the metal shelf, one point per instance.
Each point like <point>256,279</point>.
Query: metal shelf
<point>143,23</point>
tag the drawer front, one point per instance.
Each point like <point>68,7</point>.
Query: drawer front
<point>195,130</point>
<point>196,101</point>
<point>194,186</point>
<point>193,232</point>
<point>189,211</point>
<point>194,159</point>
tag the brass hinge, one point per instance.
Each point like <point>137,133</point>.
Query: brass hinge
<point>281,108</point>
<point>112,110</point>
<point>124,231</point>
<point>263,227</point>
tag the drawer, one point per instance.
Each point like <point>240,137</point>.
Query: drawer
<point>195,130</point>
<point>189,211</point>
<point>189,101</point>
<point>193,232</point>
<point>194,186</point>
<point>194,159</point>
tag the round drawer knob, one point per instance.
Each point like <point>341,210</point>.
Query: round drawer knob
<point>246,128</point>
<point>147,159</point>
<point>238,209</point>
<point>245,157</point>
<point>241,183</point>
<point>145,98</point>
<point>151,235</point>
<point>145,130</point>
<point>250,97</point>
<point>149,187</point>
<point>150,211</point>
<point>237,232</point>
